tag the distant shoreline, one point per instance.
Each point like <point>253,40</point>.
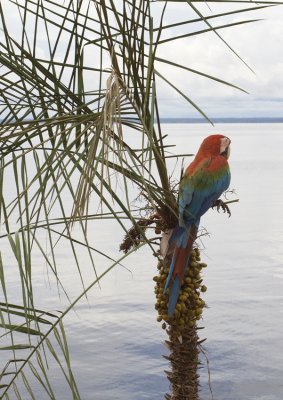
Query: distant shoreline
<point>219,120</point>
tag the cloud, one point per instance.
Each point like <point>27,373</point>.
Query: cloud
<point>259,44</point>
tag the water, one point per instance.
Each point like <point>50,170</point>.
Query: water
<point>116,345</point>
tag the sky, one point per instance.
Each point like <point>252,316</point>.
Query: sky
<point>259,44</point>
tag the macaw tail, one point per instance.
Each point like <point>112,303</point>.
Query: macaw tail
<point>184,239</point>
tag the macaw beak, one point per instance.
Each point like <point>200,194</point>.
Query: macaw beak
<point>226,151</point>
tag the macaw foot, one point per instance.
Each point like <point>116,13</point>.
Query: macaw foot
<point>219,204</point>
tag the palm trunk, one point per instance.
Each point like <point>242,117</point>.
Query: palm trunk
<point>183,357</point>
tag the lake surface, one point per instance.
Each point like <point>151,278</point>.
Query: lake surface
<point>115,343</point>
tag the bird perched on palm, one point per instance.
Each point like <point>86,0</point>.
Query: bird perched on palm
<point>204,181</point>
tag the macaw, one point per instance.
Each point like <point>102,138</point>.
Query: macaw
<point>203,182</point>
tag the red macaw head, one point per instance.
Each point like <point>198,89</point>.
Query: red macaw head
<point>215,145</point>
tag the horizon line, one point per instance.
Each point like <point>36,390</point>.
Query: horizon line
<point>223,120</point>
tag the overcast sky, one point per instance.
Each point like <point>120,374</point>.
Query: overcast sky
<point>260,44</point>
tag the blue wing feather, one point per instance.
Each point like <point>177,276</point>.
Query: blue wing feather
<point>198,192</point>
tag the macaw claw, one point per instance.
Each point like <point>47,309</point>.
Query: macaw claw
<point>219,204</point>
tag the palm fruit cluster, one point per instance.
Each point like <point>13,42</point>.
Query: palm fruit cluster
<point>190,305</point>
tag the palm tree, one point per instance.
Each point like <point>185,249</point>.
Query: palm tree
<point>79,114</point>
